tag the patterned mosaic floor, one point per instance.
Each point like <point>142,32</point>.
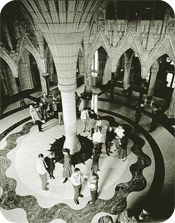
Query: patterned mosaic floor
<point>10,199</point>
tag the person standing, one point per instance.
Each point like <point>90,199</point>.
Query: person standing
<point>95,159</point>
<point>155,119</point>
<point>85,119</point>
<point>139,111</point>
<point>110,135</point>
<point>76,180</point>
<point>81,105</point>
<point>123,148</point>
<point>60,113</point>
<point>50,162</point>
<point>99,123</point>
<point>67,170</point>
<point>93,187</point>
<point>98,139</point>
<point>44,106</point>
<point>42,171</point>
<point>55,109</point>
<point>119,133</point>
<point>35,115</point>
<point>93,118</point>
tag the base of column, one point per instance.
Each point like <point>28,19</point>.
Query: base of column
<point>80,157</point>
<point>73,144</point>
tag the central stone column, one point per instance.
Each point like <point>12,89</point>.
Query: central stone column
<point>70,120</point>
<point>64,48</point>
<point>62,24</point>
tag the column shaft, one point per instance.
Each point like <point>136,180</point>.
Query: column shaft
<point>154,71</point>
<point>70,121</point>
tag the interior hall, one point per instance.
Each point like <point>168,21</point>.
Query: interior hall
<point>87,108</point>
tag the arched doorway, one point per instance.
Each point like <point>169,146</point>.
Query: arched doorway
<point>8,85</point>
<point>35,73</point>
<point>80,69</point>
<point>53,79</point>
<point>29,76</point>
<point>98,66</point>
<point>165,80</point>
<point>128,71</point>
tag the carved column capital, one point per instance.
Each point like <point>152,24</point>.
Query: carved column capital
<point>67,88</point>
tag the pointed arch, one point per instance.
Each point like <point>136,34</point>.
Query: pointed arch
<point>130,41</point>
<point>97,44</point>
<point>10,62</point>
<point>163,47</point>
<point>29,47</point>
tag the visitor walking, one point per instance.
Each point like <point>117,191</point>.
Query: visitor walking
<point>77,180</point>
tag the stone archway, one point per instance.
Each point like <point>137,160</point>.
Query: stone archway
<point>98,65</point>
<point>162,79</point>
<point>10,62</point>
<point>130,41</point>
<point>128,71</point>
<point>8,80</point>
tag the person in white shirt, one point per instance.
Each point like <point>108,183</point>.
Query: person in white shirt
<point>99,123</point>
<point>77,180</point>
<point>98,139</point>
<point>85,119</point>
<point>42,171</point>
<point>119,134</point>
<point>93,187</point>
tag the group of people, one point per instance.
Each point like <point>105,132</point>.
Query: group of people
<point>49,106</point>
<point>93,123</point>
<point>46,165</point>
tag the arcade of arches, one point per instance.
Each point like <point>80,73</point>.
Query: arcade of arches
<point>115,55</point>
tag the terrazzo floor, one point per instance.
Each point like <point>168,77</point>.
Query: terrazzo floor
<point>23,157</point>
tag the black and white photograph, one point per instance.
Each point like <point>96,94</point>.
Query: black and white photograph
<point>87,111</point>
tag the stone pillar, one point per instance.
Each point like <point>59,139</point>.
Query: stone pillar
<point>154,71</point>
<point>107,71</point>
<point>65,59</point>
<point>127,68</point>
<point>43,82</point>
<point>171,109</point>
<point>87,66</point>
<point>70,121</point>
<point>62,24</point>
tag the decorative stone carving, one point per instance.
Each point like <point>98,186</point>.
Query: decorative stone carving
<point>170,28</point>
<point>132,26</point>
<point>101,21</point>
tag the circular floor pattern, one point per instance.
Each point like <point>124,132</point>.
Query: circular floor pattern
<point>113,205</point>
<point>25,161</point>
